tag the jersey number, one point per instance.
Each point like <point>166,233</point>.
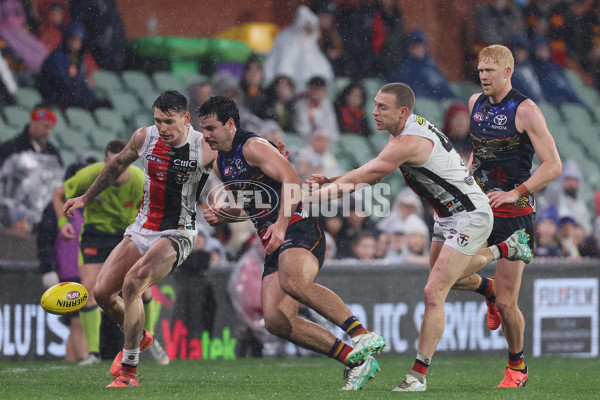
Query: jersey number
<point>443,138</point>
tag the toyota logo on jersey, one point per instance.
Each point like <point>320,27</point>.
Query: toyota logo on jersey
<point>500,119</point>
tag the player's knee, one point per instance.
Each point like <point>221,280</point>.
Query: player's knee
<point>505,306</point>
<point>278,326</point>
<point>431,296</point>
<point>293,288</point>
<point>100,295</point>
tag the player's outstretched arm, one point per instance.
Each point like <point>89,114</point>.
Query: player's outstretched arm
<point>113,168</point>
<point>394,154</point>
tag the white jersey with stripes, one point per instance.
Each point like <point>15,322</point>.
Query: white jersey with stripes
<point>174,177</point>
<point>443,180</point>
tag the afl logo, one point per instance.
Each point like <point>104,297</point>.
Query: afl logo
<point>227,171</point>
<point>478,116</point>
<point>500,119</point>
<point>72,295</point>
<point>154,159</point>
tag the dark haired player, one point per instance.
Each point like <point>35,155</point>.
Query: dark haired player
<point>294,243</point>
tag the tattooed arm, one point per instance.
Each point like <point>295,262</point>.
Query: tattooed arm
<point>113,168</point>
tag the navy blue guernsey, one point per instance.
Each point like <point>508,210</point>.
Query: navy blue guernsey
<point>261,194</point>
<point>502,155</point>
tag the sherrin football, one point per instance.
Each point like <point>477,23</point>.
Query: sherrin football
<point>64,298</point>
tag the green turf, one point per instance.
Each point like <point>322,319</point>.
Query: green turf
<point>299,378</point>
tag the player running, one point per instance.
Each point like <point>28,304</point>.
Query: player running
<point>176,164</point>
<point>294,243</point>
<point>435,171</point>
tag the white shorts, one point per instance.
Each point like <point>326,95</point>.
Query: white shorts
<point>144,239</point>
<point>465,232</point>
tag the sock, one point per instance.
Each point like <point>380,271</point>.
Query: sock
<point>340,351</point>
<point>420,366</point>
<point>500,250</point>
<point>150,320</point>
<point>353,327</point>
<point>131,358</point>
<point>130,370</point>
<point>486,287</point>
<point>90,323</point>
<point>516,361</point>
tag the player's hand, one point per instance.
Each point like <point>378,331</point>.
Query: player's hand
<point>282,150</point>
<point>73,204</point>
<point>499,198</point>
<point>316,180</point>
<point>274,236</point>
<point>50,279</point>
<point>214,216</point>
<point>67,232</point>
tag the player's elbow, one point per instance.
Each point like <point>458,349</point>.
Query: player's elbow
<point>556,168</point>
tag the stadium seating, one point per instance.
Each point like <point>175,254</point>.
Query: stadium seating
<point>81,119</point>
<point>125,103</point>
<point>16,116</point>
<point>27,97</point>
<point>139,83</point>
<point>430,110</point>
<point>107,82</point>
<point>111,121</point>
<point>358,146</point>
<point>165,80</point>
<point>293,140</point>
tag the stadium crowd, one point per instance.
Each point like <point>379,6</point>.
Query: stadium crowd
<point>313,91</point>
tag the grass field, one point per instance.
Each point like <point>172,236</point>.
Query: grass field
<point>299,378</point>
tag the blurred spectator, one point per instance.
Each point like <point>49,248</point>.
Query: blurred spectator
<point>420,71</point>
<point>105,31</point>
<point>406,203</point>
<point>387,34</point>
<point>59,259</point>
<point>456,127</point>
<point>547,243</point>
<point>30,168</point>
<point>51,24</point>
<point>197,93</point>
<point>416,240</point>
<point>535,16</point>
<point>349,110</point>
<point>560,29</point>
<point>354,21</point>
<point>12,30</point>
<point>383,244</point>
<point>315,111</point>
<point>271,131</point>
<point>354,224</point>
<point>330,248</point>
<point>556,87</point>
<point>225,84</point>
<point>364,247</point>
<point>580,36</point>
<point>330,41</point>
<point>316,157</point>
<point>281,102</point>
<point>34,137</point>
<point>296,52</point>
<point>565,195</point>
<point>497,21</point>
<point>62,81</point>
<point>570,235</point>
<point>396,247</point>
<point>251,86</point>
<point>524,79</point>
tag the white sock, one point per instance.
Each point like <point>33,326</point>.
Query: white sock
<point>496,252</point>
<point>131,357</point>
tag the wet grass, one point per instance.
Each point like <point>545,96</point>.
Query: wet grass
<point>299,378</point>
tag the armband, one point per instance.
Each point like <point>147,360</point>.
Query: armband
<point>522,190</point>
<point>62,221</point>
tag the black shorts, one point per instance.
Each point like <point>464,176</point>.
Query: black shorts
<point>504,227</point>
<point>304,234</point>
<point>97,245</point>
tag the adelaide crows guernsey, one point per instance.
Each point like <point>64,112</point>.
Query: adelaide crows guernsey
<point>443,180</point>
<point>260,195</point>
<point>502,155</point>
<point>174,178</point>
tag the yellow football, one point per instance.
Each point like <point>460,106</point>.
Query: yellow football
<point>64,298</point>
